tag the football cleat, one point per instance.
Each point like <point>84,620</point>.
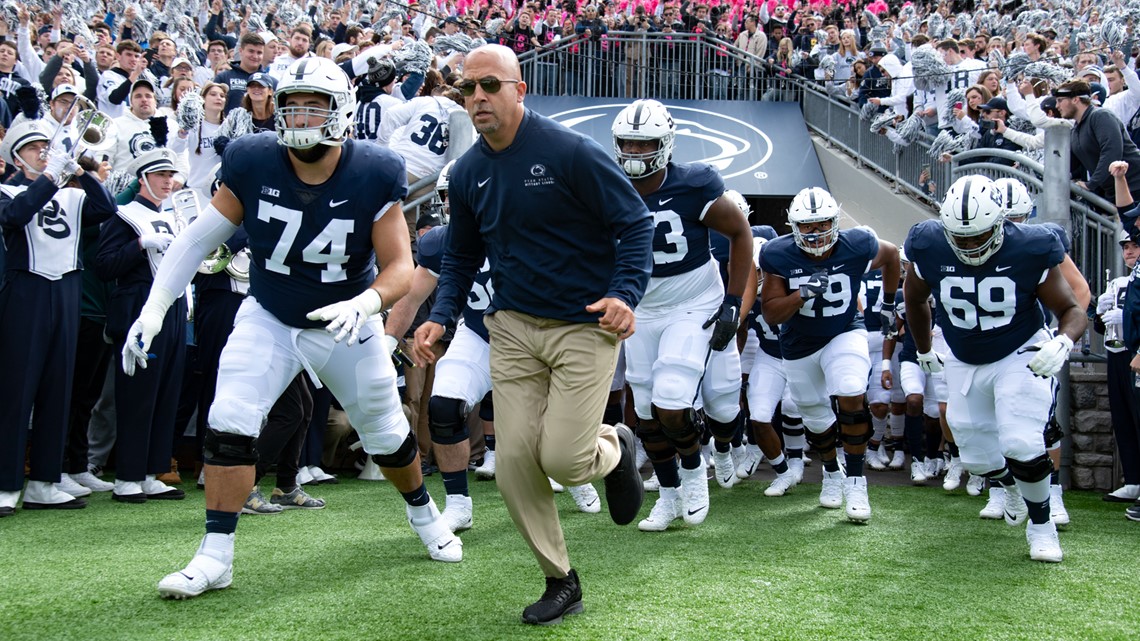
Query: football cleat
<point>953,475</point>
<point>695,495</point>
<point>322,477</point>
<point>1057,512</point>
<point>486,471</point>
<point>668,508</point>
<point>1014,508</point>
<point>157,490</point>
<point>724,470</point>
<point>975,484</point>
<point>204,573</point>
<point>1125,494</point>
<point>796,467</point>
<point>749,461</point>
<point>782,483</point>
<point>855,496</point>
<point>459,513</point>
<point>995,505</point>
<point>898,459</point>
<point>651,484</point>
<point>875,459</point>
<point>1044,544</point>
<point>556,486</point>
<point>441,542</point>
<point>918,472</point>
<point>831,495</point>
<point>585,497</point>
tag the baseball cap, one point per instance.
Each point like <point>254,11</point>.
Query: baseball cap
<point>144,80</point>
<point>451,20</point>
<point>997,102</point>
<point>64,89</point>
<point>341,48</point>
<point>180,61</point>
<point>878,49</point>
<point>1048,103</point>
<point>263,79</point>
<point>430,219</point>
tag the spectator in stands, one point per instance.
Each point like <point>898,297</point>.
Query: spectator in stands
<point>1098,140</point>
<point>753,42</point>
<point>252,52</point>
<point>779,69</point>
<point>991,80</point>
<point>845,57</point>
<point>994,112</point>
<point>1034,46</point>
<point>965,120</point>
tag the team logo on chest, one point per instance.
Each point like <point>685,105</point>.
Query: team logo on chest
<point>539,177</point>
<point>52,221</point>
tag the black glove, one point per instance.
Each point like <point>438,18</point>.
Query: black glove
<point>29,101</point>
<point>889,319</point>
<point>726,321</point>
<point>815,286</point>
<point>220,143</point>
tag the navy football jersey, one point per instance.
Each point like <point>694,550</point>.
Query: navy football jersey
<point>869,291</point>
<point>680,239</point>
<point>834,312</point>
<point>431,248</point>
<point>311,245</point>
<point>769,335</point>
<point>988,311</point>
<point>909,350</point>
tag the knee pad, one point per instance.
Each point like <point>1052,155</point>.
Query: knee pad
<point>656,444</point>
<point>684,437</point>
<point>1031,471</point>
<point>822,441</point>
<point>724,432</point>
<point>228,450</point>
<point>849,421</point>
<point>447,420</point>
<point>401,457</point>
<point>487,408</point>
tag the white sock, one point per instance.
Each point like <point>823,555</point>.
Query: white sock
<point>218,546</point>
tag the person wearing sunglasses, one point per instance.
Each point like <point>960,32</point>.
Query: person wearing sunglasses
<point>569,245</point>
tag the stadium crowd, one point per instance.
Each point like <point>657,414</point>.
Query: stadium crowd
<point>117,120</point>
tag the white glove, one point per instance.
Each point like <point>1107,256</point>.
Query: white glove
<point>391,343</point>
<point>145,328</point>
<point>348,316</point>
<point>1113,317</point>
<point>157,240</point>
<point>931,362</point>
<point>60,167</point>
<point>1105,302</point>
<point>1051,356</point>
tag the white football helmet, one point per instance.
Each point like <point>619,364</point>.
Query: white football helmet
<point>644,120</point>
<point>1015,199</point>
<point>813,205</point>
<point>973,208</point>
<point>321,76</point>
<point>439,202</point>
<point>741,203</point>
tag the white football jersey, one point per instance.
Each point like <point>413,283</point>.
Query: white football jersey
<point>418,131</point>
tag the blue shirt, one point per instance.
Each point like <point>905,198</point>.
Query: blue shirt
<point>548,212</point>
<point>431,250</point>
<point>835,311</point>
<point>310,245</point>
<point>986,311</point>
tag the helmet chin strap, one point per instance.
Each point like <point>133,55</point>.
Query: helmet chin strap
<point>146,185</point>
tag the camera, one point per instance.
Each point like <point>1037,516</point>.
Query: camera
<point>986,125</point>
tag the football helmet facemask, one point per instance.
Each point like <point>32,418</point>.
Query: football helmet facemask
<point>1015,199</point>
<point>814,205</point>
<point>644,120</point>
<point>322,126</point>
<point>973,218</point>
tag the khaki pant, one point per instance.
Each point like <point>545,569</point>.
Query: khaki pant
<point>551,380</point>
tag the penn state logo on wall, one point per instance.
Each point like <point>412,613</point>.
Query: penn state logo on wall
<point>733,146</point>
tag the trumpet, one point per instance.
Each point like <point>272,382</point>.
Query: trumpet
<point>96,129</point>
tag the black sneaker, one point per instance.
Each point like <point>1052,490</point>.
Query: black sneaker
<point>1133,513</point>
<point>563,596</point>
<point>624,490</point>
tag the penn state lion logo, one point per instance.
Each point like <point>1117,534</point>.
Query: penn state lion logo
<point>141,143</point>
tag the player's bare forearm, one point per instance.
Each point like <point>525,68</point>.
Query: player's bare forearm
<point>888,260</point>
<point>915,293</point>
<point>1058,297</point>
<point>778,304</point>
<point>393,256</point>
<point>750,294</point>
<point>1072,323</point>
<point>404,311</point>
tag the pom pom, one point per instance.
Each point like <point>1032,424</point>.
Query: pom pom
<point>1015,65</point>
<point>118,181</point>
<point>872,19</point>
<point>237,123</point>
<point>220,143</point>
<point>882,121</point>
<point>190,111</point>
<point>868,110</point>
<point>1046,71</point>
<point>946,113</point>
<point>1017,123</point>
<point>460,42</point>
<point>413,58</point>
<point>930,70</point>
<point>911,129</point>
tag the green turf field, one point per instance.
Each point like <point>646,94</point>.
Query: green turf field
<point>759,568</point>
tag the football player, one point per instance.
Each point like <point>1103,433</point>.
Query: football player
<point>686,313</point>
<point>39,310</point>
<point>322,213</point>
<point>1019,208</point>
<point>811,287</point>
<point>989,278</point>
<point>878,398</point>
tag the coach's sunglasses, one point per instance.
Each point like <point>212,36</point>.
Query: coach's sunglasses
<point>490,84</point>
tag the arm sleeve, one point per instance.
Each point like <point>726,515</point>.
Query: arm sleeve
<point>119,94</point>
<point>17,212</point>
<point>1017,104</point>
<point>28,54</point>
<point>91,77</point>
<point>98,206</point>
<point>48,72</point>
<point>208,231</point>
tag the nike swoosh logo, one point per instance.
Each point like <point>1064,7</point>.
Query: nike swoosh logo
<point>1002,269</point>
<point>663,201</point>
<point>484,182</point>
<point>366,339</point>
<point>701,509</point>
<point>188,577</point>
<point>440,547</point>
<point>333,203</point>
<point>728,478</point>
<point>838,267</point>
